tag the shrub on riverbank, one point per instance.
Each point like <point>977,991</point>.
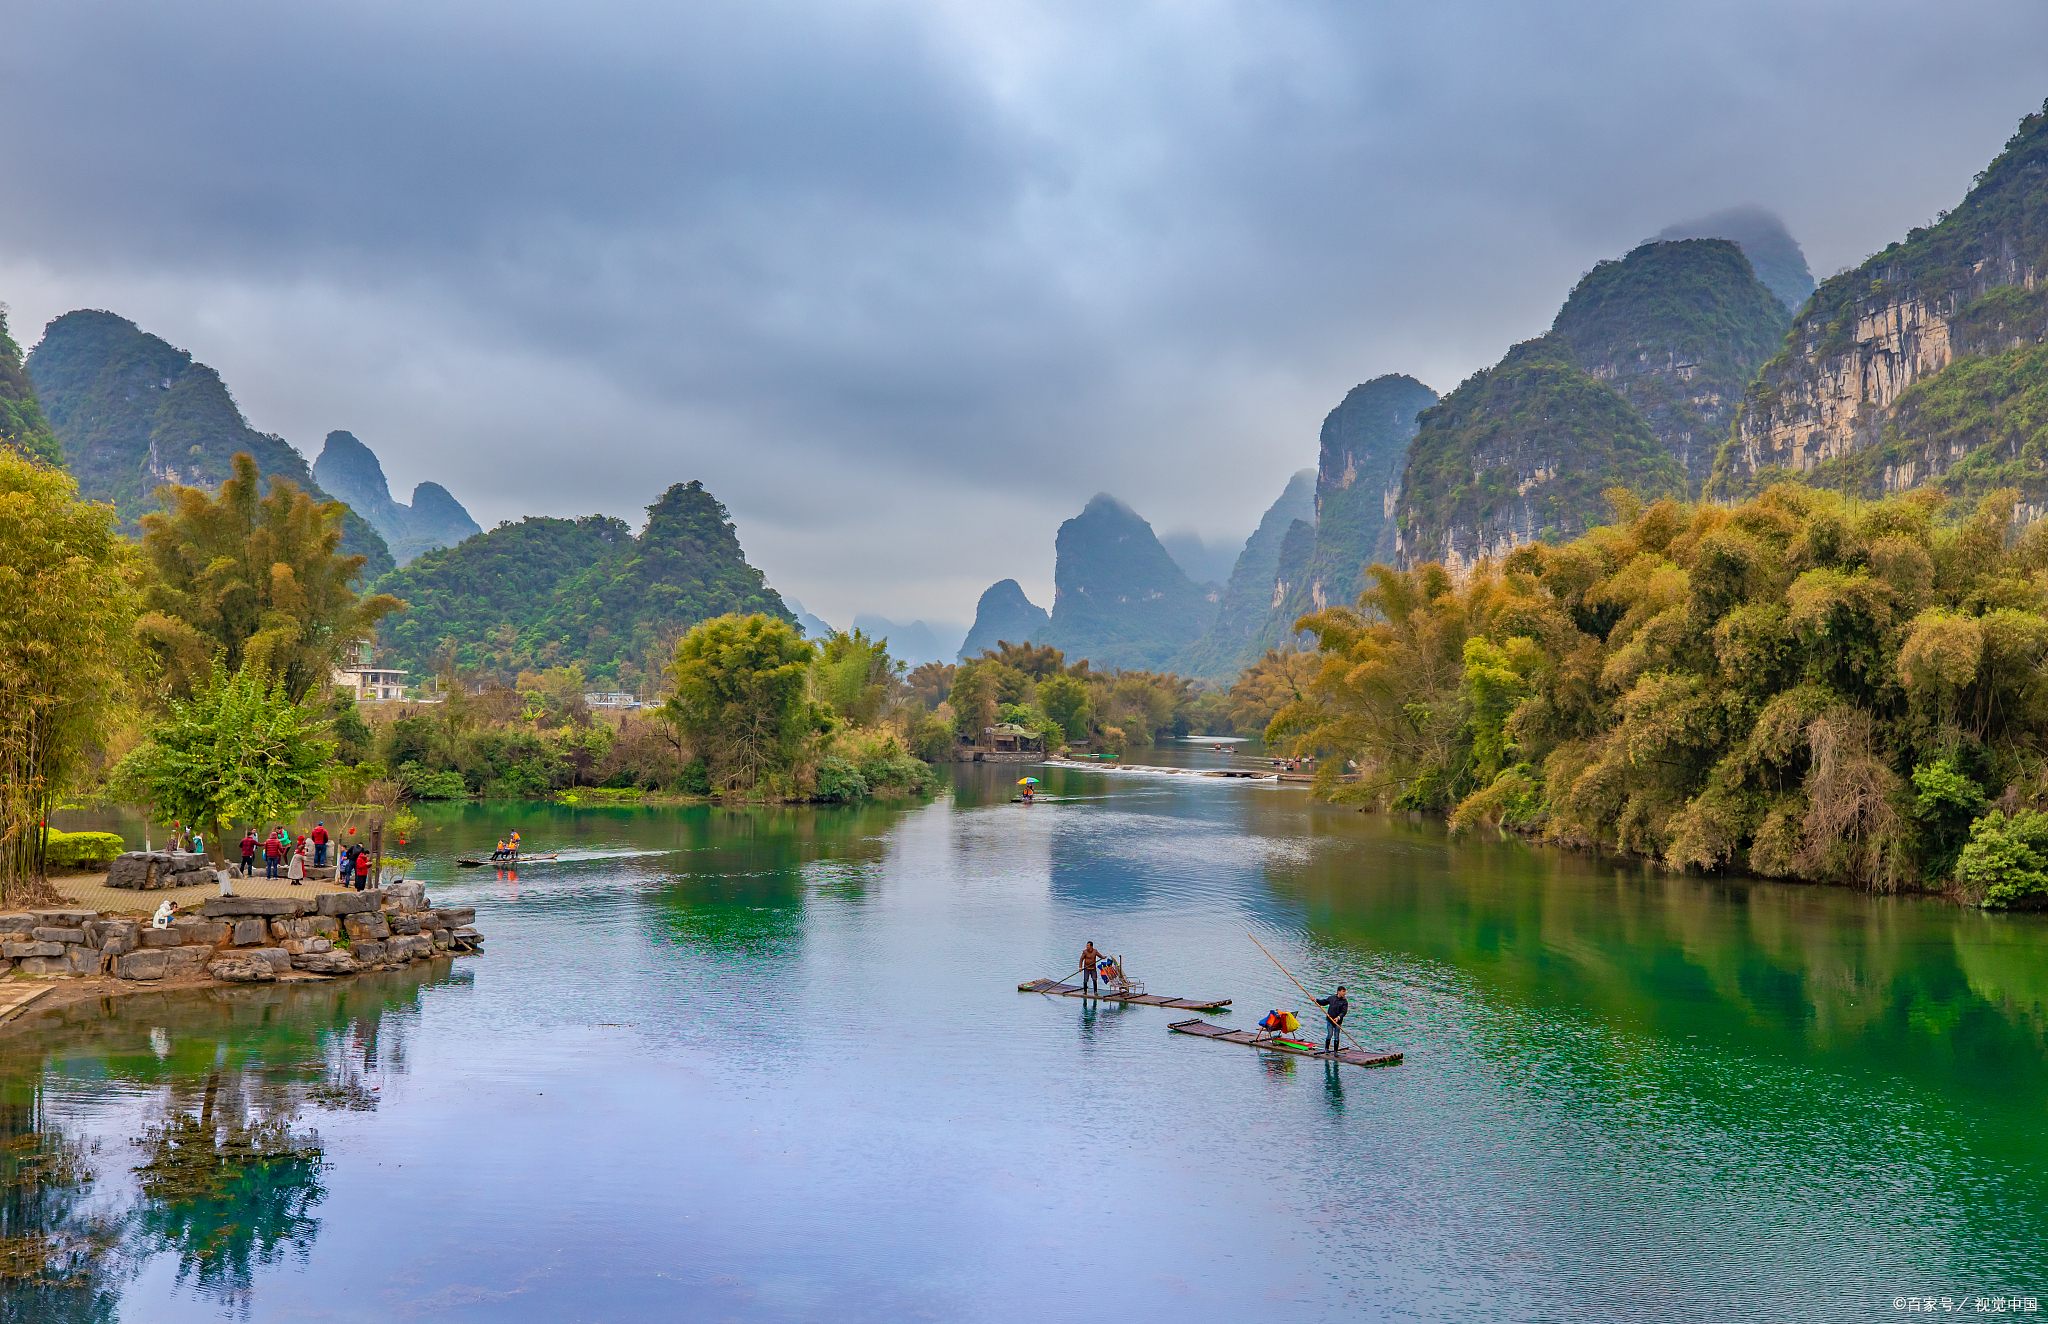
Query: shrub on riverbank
<point>1802,686</point>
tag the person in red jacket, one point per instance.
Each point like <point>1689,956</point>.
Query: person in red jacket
<point>319,843</point>
<point>362,869</point>
<point>273,851</point>
<point>249,852</point>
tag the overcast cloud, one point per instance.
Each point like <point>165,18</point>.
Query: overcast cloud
<point>906,283</point>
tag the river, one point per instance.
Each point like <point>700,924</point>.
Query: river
<point>771,1064</point>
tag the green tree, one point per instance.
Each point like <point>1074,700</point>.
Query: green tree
<point>742,697</point>
<point>856,675</point>
<point>1065,701</point>
<point>974,698</point>
<point>68,601</point>
<point>238,750</point>
<point>252,580</point>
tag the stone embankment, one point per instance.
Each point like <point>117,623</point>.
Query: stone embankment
<point>243,939</point>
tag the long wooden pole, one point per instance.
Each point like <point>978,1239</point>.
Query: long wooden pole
<point>1305,993</point>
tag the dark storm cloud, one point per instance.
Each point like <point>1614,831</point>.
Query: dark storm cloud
<point>874,271</point>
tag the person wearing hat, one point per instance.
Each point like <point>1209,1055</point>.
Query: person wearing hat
<point>1334,1009</point>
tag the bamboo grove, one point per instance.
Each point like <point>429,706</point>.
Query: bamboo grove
<point>1798,686</point>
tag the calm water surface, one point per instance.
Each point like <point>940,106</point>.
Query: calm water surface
<point>762,1064</point>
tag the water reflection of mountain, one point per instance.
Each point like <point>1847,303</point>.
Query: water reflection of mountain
<point>223,1171</point>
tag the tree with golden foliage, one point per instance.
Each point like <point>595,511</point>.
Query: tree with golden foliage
<point>1801,685</point>
<point>255,579</point>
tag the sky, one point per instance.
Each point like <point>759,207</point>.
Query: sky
<point>906,283</point>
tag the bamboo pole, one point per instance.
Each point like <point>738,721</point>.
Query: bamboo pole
<point>1305,993</point>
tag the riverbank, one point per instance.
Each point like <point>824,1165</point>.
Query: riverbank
<point>236,939</point>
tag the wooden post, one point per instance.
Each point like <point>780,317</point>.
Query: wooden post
<point>377,853</point>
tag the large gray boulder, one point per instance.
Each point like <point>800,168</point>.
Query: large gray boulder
<point>239,969</point>
<point>145,964</point>
<point>46,934</point>
<point>22,951</point>
<point>367,951</point>
<point>150,870</point>
<point>225,907</point>
<point>186,960</point>
<point>325,963</point>
<point>278,958</point>
<point>350,903</point>
<point>21,923</point>
<point>253,931</point>
<point>406,896</point>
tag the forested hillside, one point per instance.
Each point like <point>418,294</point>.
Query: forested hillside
<point>553,592</point>
<point>22,424</point>
<point>1632,386</point>
<point>134,412</point>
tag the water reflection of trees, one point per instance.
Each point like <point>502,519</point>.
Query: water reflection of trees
<point>53,1247</point>
<point>1779,970</point>
<point>739,884</point>
<point>225,1175</point>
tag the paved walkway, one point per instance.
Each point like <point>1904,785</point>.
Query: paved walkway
<point>90,889</point>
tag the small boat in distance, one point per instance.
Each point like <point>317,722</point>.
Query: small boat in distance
<point>505,861</point>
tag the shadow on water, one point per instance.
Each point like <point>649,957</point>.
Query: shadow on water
<point>219,1171</point>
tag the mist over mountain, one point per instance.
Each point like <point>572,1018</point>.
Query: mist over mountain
<point>1204,562</point>
<point>1234,639</point>
<point>1773,253</point>
<point>914,642</point>
<point>352,472</point>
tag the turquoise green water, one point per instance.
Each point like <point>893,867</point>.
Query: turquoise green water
<point>771,1065</point>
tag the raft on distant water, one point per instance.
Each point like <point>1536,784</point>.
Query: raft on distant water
<point>508,862</point>
<point>1367,1057</point>
<point>1057,989</point>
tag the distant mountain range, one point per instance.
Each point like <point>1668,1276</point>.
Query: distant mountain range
<point>351,471</point>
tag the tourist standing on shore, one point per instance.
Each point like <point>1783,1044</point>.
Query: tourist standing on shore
<point>249,853</point>
<point>319,844</point>
<point>362,867</point>
<point>297,871</point>
<point>273,851</point>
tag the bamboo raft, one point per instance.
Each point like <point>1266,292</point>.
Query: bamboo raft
<point>1056,989</point>
<point>509,862</point>
<point>1356,1057</point>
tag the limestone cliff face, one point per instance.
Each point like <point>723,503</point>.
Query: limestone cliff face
<point>1856,396</point>
<point>1358,483</point>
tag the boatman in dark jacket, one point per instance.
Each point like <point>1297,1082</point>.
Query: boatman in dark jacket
<point>1089,958</point>
<point>1335,1006</point>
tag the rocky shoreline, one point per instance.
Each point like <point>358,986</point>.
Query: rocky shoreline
<point>242,939</point>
